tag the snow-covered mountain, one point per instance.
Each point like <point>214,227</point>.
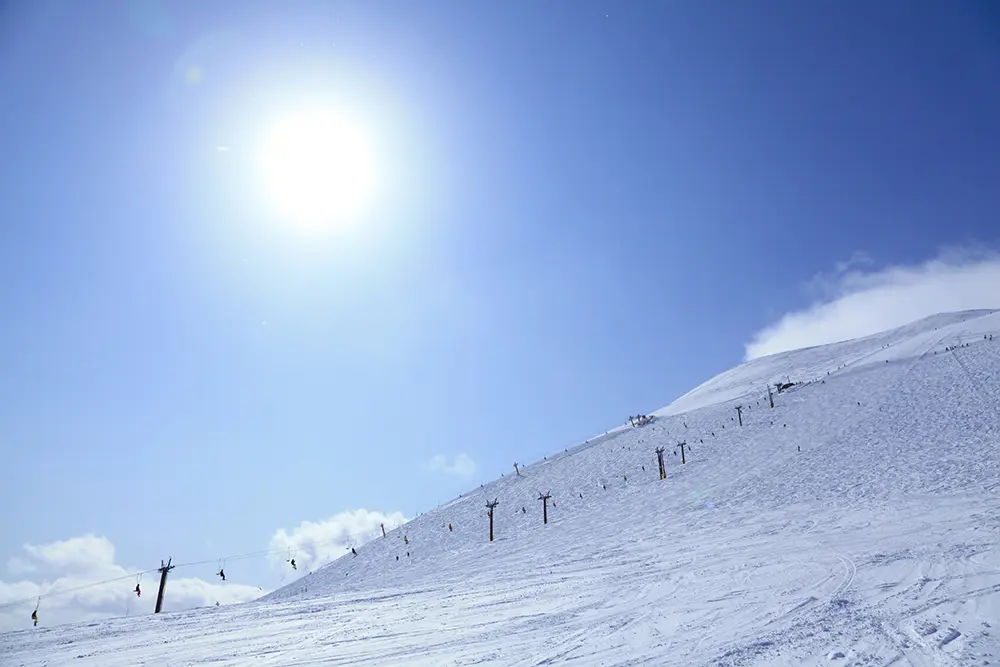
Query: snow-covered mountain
<point>855,523</point>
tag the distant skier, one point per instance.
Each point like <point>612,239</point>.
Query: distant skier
<point>138,593</point>
<point>34,617</point>
<point>222,574</point>
<point>449,527</point>
<point>294,566</point>
<point>353,551</point>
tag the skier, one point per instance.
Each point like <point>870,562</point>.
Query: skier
<point>353,551</point>
<point>222,573</point>
<point>138,593</point>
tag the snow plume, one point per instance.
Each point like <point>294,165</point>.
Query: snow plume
<point>462,465</point>
<point>80,564</point>
<point>314,544</point>
<point>856,300</point>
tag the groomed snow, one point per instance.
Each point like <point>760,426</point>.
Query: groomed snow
<point>876,544</point>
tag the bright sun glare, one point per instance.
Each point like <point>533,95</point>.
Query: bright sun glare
<point>318,169</point>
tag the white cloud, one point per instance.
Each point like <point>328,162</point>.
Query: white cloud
<point>463,465</point>
<point>314,544</point>
<point>76,555</point>
<point>79,579</point>
<point>857,303</point>
<point>66,574</point>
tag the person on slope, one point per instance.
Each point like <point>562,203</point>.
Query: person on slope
<point>34,617</point>
<point>353,551</point>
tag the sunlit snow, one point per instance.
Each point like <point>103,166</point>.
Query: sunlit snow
<point>876,544</point>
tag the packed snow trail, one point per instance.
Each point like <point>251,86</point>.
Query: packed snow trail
<point>875,544</point>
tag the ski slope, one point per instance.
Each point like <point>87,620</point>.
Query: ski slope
<point>876,544</point>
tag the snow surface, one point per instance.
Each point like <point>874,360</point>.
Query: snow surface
<point>876,544</point>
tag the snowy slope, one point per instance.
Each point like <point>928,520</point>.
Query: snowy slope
<point>875,544</point>
<point>816,362</point>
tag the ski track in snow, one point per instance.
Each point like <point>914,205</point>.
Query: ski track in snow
<point>875,545</point>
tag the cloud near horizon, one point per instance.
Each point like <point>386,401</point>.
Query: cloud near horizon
<point>57,567</point>
<point>858,302</point>
<point>462,465</point>
<point>316,543</point>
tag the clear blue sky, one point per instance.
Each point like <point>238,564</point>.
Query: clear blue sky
<point>585,209</point>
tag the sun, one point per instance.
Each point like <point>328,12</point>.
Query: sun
<point>317,169</point>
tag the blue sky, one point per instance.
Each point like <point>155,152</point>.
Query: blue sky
<point>582,211</point>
